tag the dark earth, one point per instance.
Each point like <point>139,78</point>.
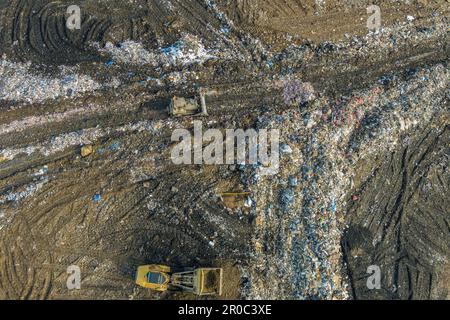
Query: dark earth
<point>370,152</point>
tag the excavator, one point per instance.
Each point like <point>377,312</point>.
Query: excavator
<point>201,281</point>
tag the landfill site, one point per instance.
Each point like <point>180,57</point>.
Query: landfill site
<point>93,204</point>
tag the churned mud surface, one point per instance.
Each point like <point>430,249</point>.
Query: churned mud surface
<point>86,176</point>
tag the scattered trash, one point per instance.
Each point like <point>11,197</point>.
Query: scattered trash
<point>21,83</point>
<point>41,172</point>
<point>235,200</point>
<point>287,197</point>
<point>333,206</point>
<point>186,51</point>
<point>297,235</point>
<point>86,150</point>
<point>114,146</point>
<point>97,197</point>
<point>146,184</point>
<point>296,92</point>
<point>248,202</point>
<point>293,181</point>
<point>285,148</point>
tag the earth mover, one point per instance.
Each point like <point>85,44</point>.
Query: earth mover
<point>180,107</point>
<point>201,281</point>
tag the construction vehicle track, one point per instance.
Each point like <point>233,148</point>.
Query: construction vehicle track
<point>152,211</point>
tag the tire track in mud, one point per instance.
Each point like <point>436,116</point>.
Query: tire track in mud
<point>408,235</point>
<point>245,91</point>
<point>119,231</point>
<point>135,224</point>
<point>37,31</point>
<point>20,276</point>
<point>196,16</point>
<point>300,18</point>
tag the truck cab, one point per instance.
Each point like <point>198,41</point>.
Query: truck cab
<point>154,277</point>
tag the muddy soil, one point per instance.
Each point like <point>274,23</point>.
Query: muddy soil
<point>364,173</point>
<point>400,221</point>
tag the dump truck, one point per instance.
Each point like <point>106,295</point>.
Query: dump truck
<point>200,281</point>
<point>180,106</point>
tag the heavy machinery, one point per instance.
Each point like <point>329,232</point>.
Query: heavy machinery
<point>201,281</point>
<point>180,107</point>
<point>234,200</point>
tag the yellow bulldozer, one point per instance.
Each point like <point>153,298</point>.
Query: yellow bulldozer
<point>201,281</point>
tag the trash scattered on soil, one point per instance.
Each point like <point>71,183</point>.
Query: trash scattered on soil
<point>363,121</point>
<point>86,150</point>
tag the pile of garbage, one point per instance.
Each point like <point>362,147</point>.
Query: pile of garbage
<point>300,213</point>
<point>18,82</point>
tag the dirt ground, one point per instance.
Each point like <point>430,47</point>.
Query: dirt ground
<point>363,179</point>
